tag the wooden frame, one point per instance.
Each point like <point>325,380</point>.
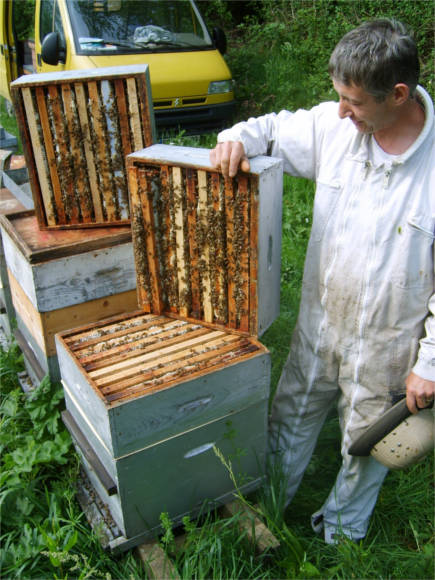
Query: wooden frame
<point>77,128</point>
<point>201,237</point>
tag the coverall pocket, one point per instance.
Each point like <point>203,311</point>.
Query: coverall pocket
<point>416,267</point>
<point>325,202</point>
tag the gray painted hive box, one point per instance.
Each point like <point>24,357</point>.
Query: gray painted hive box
<point>154,395</point>
<point>60,279</point>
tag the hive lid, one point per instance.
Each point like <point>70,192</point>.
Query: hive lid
<point>200,249</point>
<point>77,127</point>
<point>42,245</point>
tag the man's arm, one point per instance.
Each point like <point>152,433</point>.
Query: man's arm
<point>420,384</point>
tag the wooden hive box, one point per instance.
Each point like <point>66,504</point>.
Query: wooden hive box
<point>150,396</point>
<point>212,246</point>
<point>77,128</point>
<point>61,279</point>
<point>8,204</point>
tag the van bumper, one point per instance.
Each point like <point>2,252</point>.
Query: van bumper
<point>196,119</point>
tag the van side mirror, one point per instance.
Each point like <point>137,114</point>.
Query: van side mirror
<point>51,50</point>
<point>220,40</point>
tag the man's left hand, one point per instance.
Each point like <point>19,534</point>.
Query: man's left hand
<point>419,392</point>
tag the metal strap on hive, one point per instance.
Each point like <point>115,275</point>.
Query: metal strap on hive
<point>77,128</point>
<point>195,239</point>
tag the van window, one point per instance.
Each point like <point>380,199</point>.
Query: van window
<point>126,26</point>
<point>50,20</point>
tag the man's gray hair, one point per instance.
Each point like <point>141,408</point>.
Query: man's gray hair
<point>376,56</point>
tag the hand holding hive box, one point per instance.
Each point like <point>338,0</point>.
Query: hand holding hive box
<point>154,392</point>
<point>77,127</point>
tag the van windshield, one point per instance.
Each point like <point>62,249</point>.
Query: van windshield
<point>125,26</point>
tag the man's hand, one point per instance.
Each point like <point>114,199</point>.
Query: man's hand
<point>419,392</point>
<point>228,156</point>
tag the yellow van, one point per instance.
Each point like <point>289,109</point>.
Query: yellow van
<point>191,84</point>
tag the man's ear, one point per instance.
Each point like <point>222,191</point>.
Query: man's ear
<point>400,93</point>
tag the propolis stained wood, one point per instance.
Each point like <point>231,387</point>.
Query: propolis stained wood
<point>77,128</point>
<point>206,247</point>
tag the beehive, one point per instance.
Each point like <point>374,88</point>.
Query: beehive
<point>151,395</point>
<point>77,128</point>
<point>201,249</point>
<point>60,279</point>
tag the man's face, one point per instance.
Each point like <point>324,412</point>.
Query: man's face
<point>367,114</point>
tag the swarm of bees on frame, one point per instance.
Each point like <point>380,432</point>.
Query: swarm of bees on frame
<point>212,262</point>
<point>76,128</point>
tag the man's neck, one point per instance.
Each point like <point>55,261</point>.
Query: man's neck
<point>399,136</point>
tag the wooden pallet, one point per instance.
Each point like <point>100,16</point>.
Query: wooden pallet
<point>158,562</point>
<point>77,128</point>
<point>161,565</point>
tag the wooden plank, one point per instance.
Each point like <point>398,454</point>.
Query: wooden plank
<point>102,160</point>
<point>125,351</point>
<point>64,166</point>
<point>145,105</point>
<point>230,250</point>
<point>168,227</point>
<point>250,524</point>
<point>75,144</point>
<point>148,359</point>
<point>26,140</point>
<point>51,155</point>
<point>133,107</point>
<point>31,318</point>
<point>90,455</point>
<point>89,155</point>
<point>197,365</point>
<point>253,256</point>
<point>94,341</point>
<point>39,246</point>
<point>145,201</point>
<point>50,215</point>
<point>123,116</point>
<point>205,250</point>
<point>165,365</point>
<point>192,203</point>
<point>219,280</point>
<point>180,233</point>
<point>242,258</point>
<point>157,561</point>
<point>144,283</point>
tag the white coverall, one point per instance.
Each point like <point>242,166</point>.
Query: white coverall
<point>367,310</point>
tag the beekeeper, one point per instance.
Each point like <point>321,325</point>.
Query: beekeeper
<point>366,328</point>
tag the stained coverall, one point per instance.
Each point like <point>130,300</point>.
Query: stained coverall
<point>367,308</point>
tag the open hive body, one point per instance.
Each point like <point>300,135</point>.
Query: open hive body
<point>77,127</point>
<point>153,396</point>
<point>60,279</point>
